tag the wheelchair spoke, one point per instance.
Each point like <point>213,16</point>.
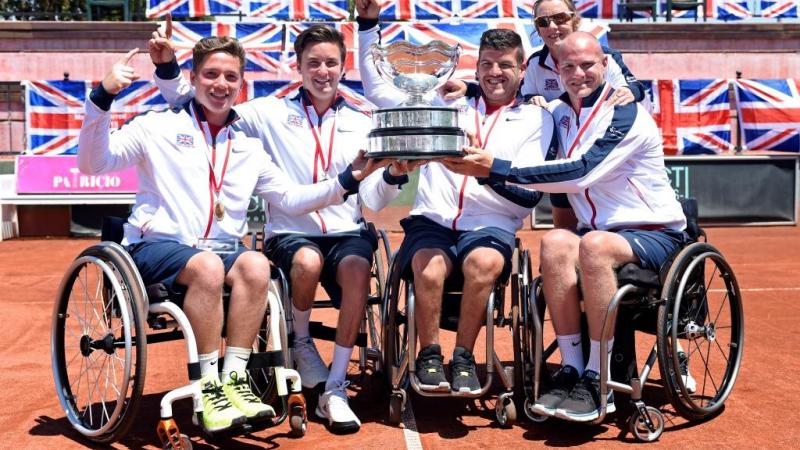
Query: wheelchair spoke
<point>722,304</point>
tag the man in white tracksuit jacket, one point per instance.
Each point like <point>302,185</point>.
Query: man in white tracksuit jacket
<point>611,168</point>
<point>458,223</point>
<point>312,136</point>
<point>197,171</point>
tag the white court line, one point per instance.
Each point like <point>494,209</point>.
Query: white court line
<point>761,289</point>
<point>410,428</point>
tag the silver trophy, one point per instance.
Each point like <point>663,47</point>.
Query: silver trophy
<point>415,129</point>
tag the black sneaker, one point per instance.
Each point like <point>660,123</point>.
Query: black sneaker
<point>430,369</point>
<point>583,402</point>
<point>687,378</point>
<point>564,381</point>
<point>462,368</point>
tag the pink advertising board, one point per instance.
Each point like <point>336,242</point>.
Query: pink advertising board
<point>39,174</point>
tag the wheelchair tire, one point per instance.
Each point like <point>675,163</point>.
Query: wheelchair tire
<point>98,343</point>
<point>521,331</point>
<point>702,318</point>
<point>395,339</point>
<point>374,322</point>
<point>262,380</point>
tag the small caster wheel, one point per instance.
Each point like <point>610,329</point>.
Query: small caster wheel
<point>183,444</point>
<point>532,416</point>
<point>297,421</point>
<point>395,409</point>
<point>506,412</point>
<point>642,430</point>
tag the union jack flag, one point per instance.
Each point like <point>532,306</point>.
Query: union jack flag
<point>780,9</point>
<point>347,29</point>
<point>693,115</point>
<point>300,9</point>
<point>732,10</point>
<point>191,8</point>
<point>493,9</point>
<point>54,112</point>
<point>262,42</point>
<point>416,9</point>
<point>597,9</point>
<point>769,114</point>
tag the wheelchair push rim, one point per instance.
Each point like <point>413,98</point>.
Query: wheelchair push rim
<point>98,343</point>
<point>701,326</point>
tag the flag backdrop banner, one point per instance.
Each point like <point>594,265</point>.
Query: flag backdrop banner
<point>769,114</point>
<point>693,115</point>
<point>780,9</point>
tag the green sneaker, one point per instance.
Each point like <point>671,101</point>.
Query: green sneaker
<point>218,413</point>
<point>237,389</point>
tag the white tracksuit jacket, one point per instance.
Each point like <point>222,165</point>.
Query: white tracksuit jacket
<point>170,153</point>
<point>611,165</point>
<point>284,129</point>
<point>522,133</point>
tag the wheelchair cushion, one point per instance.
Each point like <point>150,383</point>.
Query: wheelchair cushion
<point>631,273</point>
<point>158,293</point>
<point>112,229</point>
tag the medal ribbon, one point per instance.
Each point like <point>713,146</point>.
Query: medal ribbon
<point>600,102</point>
<point>214,187</point>
<point>319,156</point>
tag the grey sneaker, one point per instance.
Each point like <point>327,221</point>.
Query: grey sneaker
<point>564,381</point>
<point>583,402</point>
<point>308,362</point>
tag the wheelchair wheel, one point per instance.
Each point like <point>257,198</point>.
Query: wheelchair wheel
<point>98,343</point>
<point>262,380</point>
<point>521,331</point>
<point>700,334</point>
<point>395,339</point>
<point>373,321</point>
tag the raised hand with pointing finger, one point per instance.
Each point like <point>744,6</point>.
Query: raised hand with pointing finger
<point>160,45</point>
<point>121,74</point>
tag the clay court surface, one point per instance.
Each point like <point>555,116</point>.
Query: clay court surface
<point>761,412</point>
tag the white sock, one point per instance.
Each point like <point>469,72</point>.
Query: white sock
<point>300,322</point>
<point>341,359</point>
<point>235,361</point>
<point>594,356</point>
<point>208,364</point>
<point>571,353</point>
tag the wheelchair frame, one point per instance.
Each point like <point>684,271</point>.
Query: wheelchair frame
<point>668,293</point>
<point>400,346</point>
<point>112,317</point>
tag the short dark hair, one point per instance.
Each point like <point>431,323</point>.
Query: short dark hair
<point>316,34</point>
<point>502,39</point>
<point>209,45</point>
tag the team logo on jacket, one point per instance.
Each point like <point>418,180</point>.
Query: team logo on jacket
<point>184,140</point>
<point>564,122</point>
<point>551,84</point>
<point>294,120</point>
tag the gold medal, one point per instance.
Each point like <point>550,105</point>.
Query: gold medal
<point>219,210</point>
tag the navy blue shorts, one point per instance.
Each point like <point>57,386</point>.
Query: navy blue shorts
<point>652,247</point>
<point>422,233</point>
<point>281,249</point>
<point>162,261</point>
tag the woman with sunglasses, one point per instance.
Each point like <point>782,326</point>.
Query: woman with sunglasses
<point>554,20</point>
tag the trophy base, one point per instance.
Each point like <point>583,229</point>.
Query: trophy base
<point>415,155</point>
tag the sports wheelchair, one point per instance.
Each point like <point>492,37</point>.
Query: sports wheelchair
<point>400,338</point>
<point>368,340</point>
<point>103,319</point>
<point>693,305</point>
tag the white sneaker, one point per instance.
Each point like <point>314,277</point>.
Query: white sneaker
<point>687,378</point>
<point>333,406</point>
<point>309,364</point>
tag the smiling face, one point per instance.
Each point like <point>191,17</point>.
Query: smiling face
<point>581,64</point>
<point>554,33</point>
<point>321,67</point>
<point>217,82</point>
<point>499,74</point>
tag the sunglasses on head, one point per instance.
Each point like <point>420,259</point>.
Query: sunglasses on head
<point>559,19</point>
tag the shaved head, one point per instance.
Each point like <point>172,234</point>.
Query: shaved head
<point>581,64</point>
<point>580,42</point>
